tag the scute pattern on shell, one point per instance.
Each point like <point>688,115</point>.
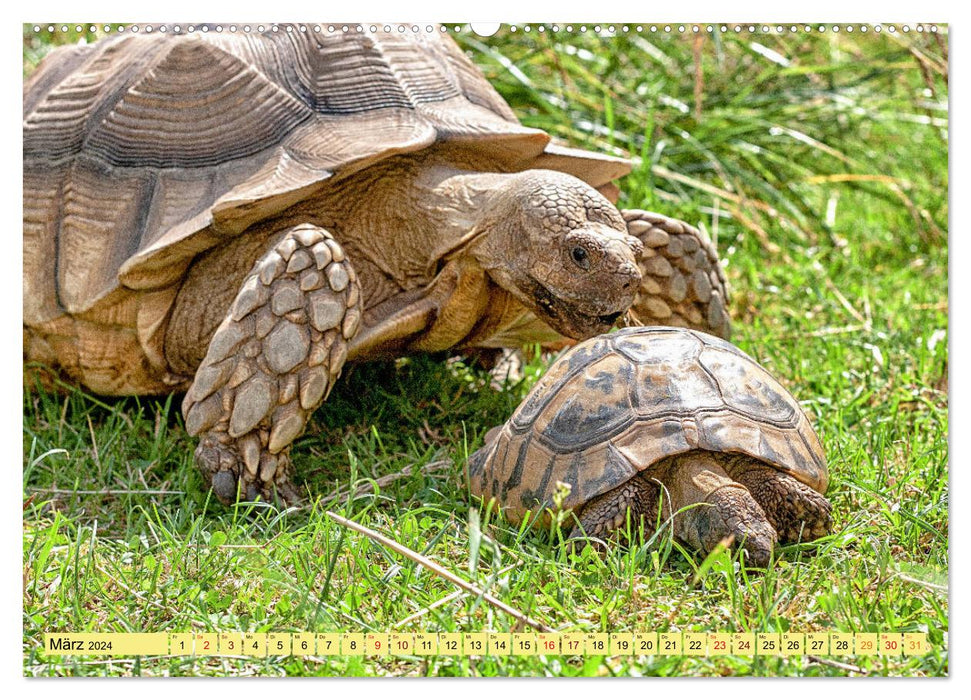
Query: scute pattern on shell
<point>143,150</point>
<point>635,397</point>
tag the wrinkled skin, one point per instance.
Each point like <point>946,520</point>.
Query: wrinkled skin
<point>716,498</point>
<point>504,259</point>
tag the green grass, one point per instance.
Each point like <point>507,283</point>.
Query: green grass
<point>825,181</point>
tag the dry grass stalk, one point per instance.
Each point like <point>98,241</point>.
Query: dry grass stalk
<point>439,571</point>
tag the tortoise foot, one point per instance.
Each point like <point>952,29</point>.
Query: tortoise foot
<point>711,508</point>
<point>620,512</point>
<point>731,513</point>
<point>219,458</point>
<point>682,281</point>
<point>271,362</point>
<point>796,511</point>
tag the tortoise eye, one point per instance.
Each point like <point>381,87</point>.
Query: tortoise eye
<point>581,257</point>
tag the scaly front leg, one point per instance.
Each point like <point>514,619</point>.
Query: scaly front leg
<point>683,283</point>
<point>271,362</point>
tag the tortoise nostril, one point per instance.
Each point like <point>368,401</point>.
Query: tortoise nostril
<point>632,277</point>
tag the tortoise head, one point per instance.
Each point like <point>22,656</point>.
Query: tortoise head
<point>562,249</point>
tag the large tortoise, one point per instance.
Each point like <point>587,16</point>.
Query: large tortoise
<point>624,422</point>
<point>238,215</point>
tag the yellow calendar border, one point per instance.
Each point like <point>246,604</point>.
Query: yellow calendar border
<point>417,644</point>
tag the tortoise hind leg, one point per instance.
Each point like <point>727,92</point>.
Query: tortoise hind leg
<point>798,512</point>
<point>271,362</point>
<point>608,513</point>
<point>682,281</point>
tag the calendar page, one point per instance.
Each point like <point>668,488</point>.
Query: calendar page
<point>544,349</point>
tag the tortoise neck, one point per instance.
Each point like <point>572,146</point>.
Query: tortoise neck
<point>459,203</point>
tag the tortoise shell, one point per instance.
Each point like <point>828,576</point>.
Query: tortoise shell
<point>142,151</point>
<point>619,403</point>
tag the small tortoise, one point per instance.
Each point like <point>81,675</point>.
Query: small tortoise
<point>661,415</point>
<point>237,216</point>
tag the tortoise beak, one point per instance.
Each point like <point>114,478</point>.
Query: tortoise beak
<point>580,319</point>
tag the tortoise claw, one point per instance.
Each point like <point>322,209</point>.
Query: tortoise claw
<point>224,487</point>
